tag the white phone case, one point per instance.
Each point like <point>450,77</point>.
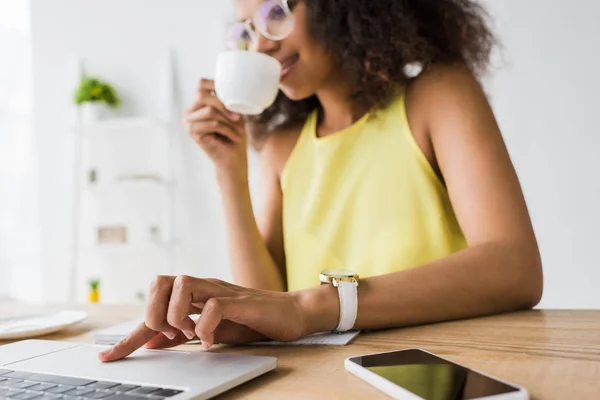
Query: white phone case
<point>400,393</point>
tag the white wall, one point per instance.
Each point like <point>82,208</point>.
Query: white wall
<point>545,95</point>
<point>546,98</point>
<point>19,236</point>
<point>124,42</point>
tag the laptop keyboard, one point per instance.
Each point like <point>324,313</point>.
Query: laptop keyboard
<point>16,385</point>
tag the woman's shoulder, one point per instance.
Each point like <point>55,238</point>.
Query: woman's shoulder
<point>441,83</point>
<point>432,97</point>
<point>437,91</point>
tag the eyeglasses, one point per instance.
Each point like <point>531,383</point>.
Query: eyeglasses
<point>273,19</point>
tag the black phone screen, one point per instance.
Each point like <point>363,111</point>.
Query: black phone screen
<point>431,377</point>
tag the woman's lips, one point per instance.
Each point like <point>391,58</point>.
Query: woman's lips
<point>287,64</point>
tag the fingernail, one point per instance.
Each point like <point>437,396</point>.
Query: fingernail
<point>235,117</point>
<point>189,334</point>
<point>169,335</point>
<point>205,345</point>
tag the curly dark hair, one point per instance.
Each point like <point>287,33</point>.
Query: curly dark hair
<point>372,41</point>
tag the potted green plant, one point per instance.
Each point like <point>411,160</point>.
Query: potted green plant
<point>96,99</point>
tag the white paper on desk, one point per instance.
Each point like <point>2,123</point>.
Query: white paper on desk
<point>114,334</point>
<point>318,339</point>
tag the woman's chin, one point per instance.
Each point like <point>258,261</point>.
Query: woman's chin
<point>296,94</point>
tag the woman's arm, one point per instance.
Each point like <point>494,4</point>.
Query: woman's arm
<point>501,268</point>
<point>222,136</point>
<point>256,243</point>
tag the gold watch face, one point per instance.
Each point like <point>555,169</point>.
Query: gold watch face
<point>337,275</point>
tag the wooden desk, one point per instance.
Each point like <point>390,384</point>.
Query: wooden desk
<point>554,354</point>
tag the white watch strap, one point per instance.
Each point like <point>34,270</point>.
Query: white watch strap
<point>348,305</point>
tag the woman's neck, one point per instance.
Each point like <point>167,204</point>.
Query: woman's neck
<point>339,112</point>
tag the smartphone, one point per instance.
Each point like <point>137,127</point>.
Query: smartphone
<point>415,374</point>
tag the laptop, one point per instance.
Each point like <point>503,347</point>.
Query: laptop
<point>52,370</point>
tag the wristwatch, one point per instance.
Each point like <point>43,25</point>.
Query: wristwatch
<point>346,283</point>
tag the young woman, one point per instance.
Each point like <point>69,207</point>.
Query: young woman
<point>402,180</point>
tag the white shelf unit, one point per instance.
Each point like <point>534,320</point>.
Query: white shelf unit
<point>125,177</point>
<point>130,184</point>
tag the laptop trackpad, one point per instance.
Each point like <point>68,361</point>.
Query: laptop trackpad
<point>172,369</point>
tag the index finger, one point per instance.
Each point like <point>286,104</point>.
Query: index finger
<point>206,99</point>
<point>136,339</point>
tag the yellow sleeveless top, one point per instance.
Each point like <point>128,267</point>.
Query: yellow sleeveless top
<point>364,199</point>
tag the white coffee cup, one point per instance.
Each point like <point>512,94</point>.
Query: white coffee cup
<point>247,82</point>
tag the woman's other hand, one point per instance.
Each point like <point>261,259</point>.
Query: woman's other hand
<point>219,132</point>
<point>230,314</point>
